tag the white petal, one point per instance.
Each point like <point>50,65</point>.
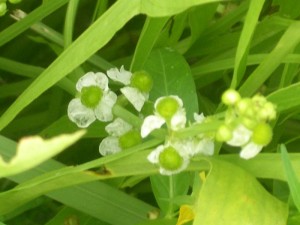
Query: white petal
<point>199,118</point>
<point>153,157</point>
<point>178,100</point>
<point>135,97</point>
<point>205,147</point>
<point>121,75</point>
<point>240,136</point>
<point>80,114</point>
<point>93,79</point>
<point>109,146</point>
<point>103,111</point>
<point>250,150</point>
<point>118,127</point>
<point>150,123</point>
<point>178,121</point>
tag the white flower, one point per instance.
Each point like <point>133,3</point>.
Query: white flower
<point>240,136</point>
<point>100,98</point>
<point>110,145</point>
<point>154,157</point>
<point>136,97</point>
<point>194,146</point>
<point>250,150</point>
<point>171,113</point>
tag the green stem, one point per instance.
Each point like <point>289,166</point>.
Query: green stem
<point>171,196</point>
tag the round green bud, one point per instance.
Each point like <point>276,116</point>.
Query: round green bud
<point>3,8</point>
<point>170,159</point>
<point>249,123</point>
<point>142,81</point>
<point>230,97</point>
<point>224,133</point>
<point>129,139</point>
<point>167,107</point>
<point>14,1</point>
<point>91,96</point>
<point>262,134</point>
<point>245,107</point>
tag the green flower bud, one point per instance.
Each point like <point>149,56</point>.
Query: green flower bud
<point>142,81</point>
<point>129,139</point>
<point>267,112</point>
<point>224,133</point>
<point>3,8</point>
<point>170,159</point>
<point>230,97</point>
<point>91,96</point>
<point>262,134</point>
<point>249,123</point>
<point>14,1</point>
<point>167,107</point>
<point>245,107</point>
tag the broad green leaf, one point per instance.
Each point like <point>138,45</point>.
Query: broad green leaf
<point>286,98</point>
<point>244,41</point>
<point>90,42</point>
<point>159,222</point>
<point>231,196</point>
<point>292,180</point>
<point>167,188</point>
<point>286,45</point>
<point>172,76</point>
<point>32,151</point>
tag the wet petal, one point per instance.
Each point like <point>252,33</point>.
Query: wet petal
<point>178,121</point>
<point>135,97</point>
<point>118,127</point>
<point>205,147</point>
<point>80,114</point>
<point>250,150</point>
<point>153,156</point>
<point>199,118</point>
<point>103,111</point>
<point>241,135</point>
<point>123,76</point>
<point>93,79</point>
<point>151,123</point>
<point>109,146</point>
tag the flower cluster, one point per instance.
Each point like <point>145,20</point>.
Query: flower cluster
<point>174,155</point>
<point>95,100</point>
<point>246,123</point>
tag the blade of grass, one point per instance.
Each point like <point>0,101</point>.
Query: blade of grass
<point>69,22</point>
<point>291,177</point>
<point>286,44</point>
<point>244,41</point>
<point>36,15</point>
<point>149,35</point>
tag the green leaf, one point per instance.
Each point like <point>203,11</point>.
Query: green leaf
<point>286,44</point>
<point>149,35</point>
<point>230,195</point>
<point>245,40</point>
<point>288,8</point>
<point>292,180</point>
<point>171,76</point>
<point>286,98</point>
<point>167,188</point>
<point>32,151</point>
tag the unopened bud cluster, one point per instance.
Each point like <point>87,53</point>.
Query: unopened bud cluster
<point>246,123</point>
